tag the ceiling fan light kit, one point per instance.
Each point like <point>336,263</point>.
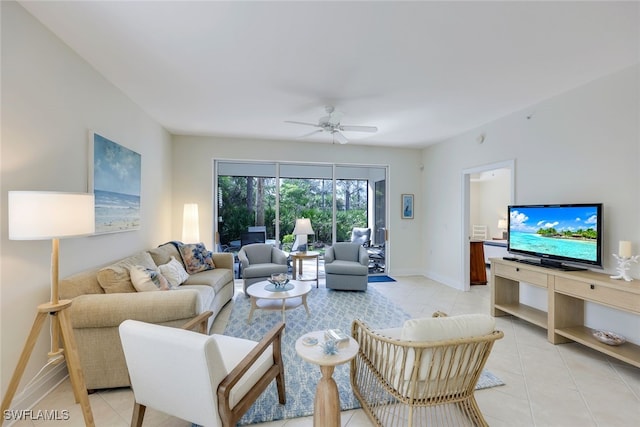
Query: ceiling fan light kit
<point>331,124</point>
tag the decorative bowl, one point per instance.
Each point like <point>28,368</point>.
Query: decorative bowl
<point>278,280</point>
<point>610,338</point>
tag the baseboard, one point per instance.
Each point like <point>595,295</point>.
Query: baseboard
<point>39,389</point>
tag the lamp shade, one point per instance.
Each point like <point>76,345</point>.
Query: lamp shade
<point>190,223</point>
<point>502,224</point>
<point>40,215</point>
<point>303,226</point>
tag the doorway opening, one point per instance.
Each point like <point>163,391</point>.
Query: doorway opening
<point>487,191</point>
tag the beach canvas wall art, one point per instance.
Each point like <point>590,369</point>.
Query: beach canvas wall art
<point>115,174</point>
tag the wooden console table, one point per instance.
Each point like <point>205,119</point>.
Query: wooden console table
<point>567,292</point>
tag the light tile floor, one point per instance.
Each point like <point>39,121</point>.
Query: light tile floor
<point>546,385</point>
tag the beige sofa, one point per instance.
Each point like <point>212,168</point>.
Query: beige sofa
<point>105,297</point>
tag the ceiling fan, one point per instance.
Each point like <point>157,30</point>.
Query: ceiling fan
<point>331,124</point>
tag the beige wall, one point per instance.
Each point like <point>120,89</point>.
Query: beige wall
<point>51,98</point>
<point>193,181</point>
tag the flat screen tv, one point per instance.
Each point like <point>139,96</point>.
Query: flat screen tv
<point>555,234</point>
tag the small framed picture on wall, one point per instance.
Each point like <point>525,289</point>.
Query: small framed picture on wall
<point>407,206</point>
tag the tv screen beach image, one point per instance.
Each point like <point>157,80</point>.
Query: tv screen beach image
<point>562,231</point>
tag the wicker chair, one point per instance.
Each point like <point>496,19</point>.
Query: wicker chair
<point>410,382</point>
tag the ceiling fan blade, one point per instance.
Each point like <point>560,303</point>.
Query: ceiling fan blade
<point>355,128</point>
<point>311,133</point>
<point>340,137</point>
<point>301,123</point>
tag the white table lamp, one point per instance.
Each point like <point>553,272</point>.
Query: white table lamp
<point>44,215</point>
<point>301,230</point>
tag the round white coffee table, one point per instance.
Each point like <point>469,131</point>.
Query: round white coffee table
<point>326,406</point>
<point>282,300</point>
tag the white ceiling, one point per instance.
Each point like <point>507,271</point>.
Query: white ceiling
<point>420,71</point>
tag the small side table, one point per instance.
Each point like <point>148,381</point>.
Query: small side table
<point>297,258</point>
<point>326,406</point>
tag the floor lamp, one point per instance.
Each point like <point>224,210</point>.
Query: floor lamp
<point>44,215</point>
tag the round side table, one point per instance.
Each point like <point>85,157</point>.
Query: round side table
<point>297,258</point>
<point>326,406</point>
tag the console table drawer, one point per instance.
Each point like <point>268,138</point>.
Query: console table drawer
<point>521,274</point>
<point>597,293</point>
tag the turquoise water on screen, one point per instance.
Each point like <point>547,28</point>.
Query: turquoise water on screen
<point>582,249</point>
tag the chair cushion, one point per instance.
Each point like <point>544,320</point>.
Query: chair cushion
<point>442,329</point>
<point>263,270</point>
<point>348,268</point>
<point>233,350</point>
<point>447,328</point>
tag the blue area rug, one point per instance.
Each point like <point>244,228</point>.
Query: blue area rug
<point>379,279</point>
<point>329,309</point>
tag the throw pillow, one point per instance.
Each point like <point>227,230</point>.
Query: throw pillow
<point>115,278</point>
<point>196,258</point>
<point>146,279</point>
<point>174,272</point>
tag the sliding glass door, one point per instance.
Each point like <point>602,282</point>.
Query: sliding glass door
<point>260,201</point>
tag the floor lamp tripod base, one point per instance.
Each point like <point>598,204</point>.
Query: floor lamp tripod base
<point>63,324</point>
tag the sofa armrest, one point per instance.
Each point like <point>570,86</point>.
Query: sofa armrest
<point>223,260</point>
<point>109,310</point>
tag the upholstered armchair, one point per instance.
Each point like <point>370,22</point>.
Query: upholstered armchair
<point>423,373</point>
<point>258,261</point>
<point>346,266</point>
<point>209,380</point>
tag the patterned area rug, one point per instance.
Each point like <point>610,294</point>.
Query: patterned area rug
<point>329,309</point>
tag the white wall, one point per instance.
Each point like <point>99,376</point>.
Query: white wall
<point>193,182</point>
<point>581,146</point>
<point>51,98</point>
<point>489,198</point>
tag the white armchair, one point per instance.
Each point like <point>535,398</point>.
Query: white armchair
<point>209,380</point>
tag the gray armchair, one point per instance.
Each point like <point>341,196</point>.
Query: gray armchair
<point>346,266</point>
<point>258,261</point>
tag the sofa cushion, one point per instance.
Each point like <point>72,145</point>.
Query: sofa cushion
<point>163,253</point>
<point>206,294</point>
<point>215,279</point>
<point>174,272</point>
<point>196,258</point>
<point>82,283</point>
<point>115,278</point>
<point>147,279</point>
